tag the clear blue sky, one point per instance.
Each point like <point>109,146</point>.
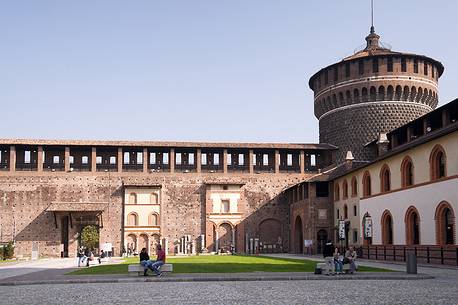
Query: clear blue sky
<point>193,70</point>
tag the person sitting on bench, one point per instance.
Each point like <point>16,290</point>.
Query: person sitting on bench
<point>350,258</point>
<point>160,260</point>
<point>145,261</point>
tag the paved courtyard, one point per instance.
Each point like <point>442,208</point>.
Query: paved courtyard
<point>281,292</point>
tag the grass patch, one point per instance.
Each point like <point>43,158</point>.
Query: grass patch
<point>219,264</point>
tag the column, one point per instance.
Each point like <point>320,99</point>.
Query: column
<point>302,161</point>
<point>145,162</point>
<point>202,242</point>
<point>172,160</point>
<point>119,160</point>
<point>199,160</point>
<point>225,161</point>
<point>40,159</point>
<point>250,161</point>
<point>277,161</point>
<point>94,161</point>
<point>216,241</point>
<point>67,159</point>
<point>12,158</point>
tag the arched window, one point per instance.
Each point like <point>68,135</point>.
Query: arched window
<point>366,184</point>
<point>345,211</point>
<point>437,163</point>
<point>381,93</point>
<point>354,187</point>
<point>412,221</point>
<point>364,95</point>
<point>445,224</point>
<point>390,93</point>
<point>154,198</point>
<point>345,189</point>
<point>387,228</point>
<point>337,192</point>
<point>132,198</point>
<point>385,179</point>
<point>407,172</point>
<point>153,219</point>
<point>132,219</point>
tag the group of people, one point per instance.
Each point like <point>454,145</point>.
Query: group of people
<point>335,260</point>
<point>85,255</point>
<point>153,265</point>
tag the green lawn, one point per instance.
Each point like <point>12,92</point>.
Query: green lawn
<point>219,264</point>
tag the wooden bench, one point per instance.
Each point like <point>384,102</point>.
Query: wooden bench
<point>137,269</point>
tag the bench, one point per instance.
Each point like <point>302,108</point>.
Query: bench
<point>137,269</point>
<point>325,268</point>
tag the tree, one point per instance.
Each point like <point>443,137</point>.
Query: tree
<point>90,237</point>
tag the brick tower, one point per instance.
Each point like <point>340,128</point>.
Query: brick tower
<point>371,92</point>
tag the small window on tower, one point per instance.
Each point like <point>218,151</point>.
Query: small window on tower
<point>415,66</point>
<point>241,159</point>
<point>361,67</point>
<point>389,67</point>
<point>375,65</point>
<point>265,159</point>
<point>403,65</point>
<point>191,158</point>
<point>203,159</point>
<point>229,159</point>
<point>289,160</point>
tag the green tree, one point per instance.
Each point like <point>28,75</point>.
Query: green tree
<point>8,250</point>
<point>90,237</point>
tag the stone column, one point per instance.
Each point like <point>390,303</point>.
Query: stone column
<point>225,161</point>
<point>216,240</point>
<point>40,159</point>
<point>250,161</point>
<point>172,160</point>
<point>145,161</point>
<point>202,242</point>
<point>302,161</point>
<point>233,237</point>
<point>277,161</point>
<point>12,158</point>
<point>67,159</point>
<point>119,160</point>
<point>93,160</point>
<point>199,160</point>
<point>193,245</point>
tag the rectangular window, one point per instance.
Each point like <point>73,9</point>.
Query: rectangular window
<point>229,159</point>
<point>126,158</point>
<point>139,158</point>
<point>152,158</point>
<point>347,69</point>
<point>27,156</point>
<point>426,68</point>
<point>178,158</point>
<point>254,159</point>
<point>225,206</point>
<point>265,159</point>
<point>375,65</point>
<point>241,159</point>
<point>326,80</point>
<point>355,211</point>
<point>203,159</point>
<point>98,160</point>
<point>338,214</point>
<point>389,66</point>
<point>71,159</point>
<point>215,159</point>
<point>312,160</point>
<point>44,157</point>
<point>361,67</point>
<point>322,189</point>
<point>84,160</point>
<point>55,159</point>
<point>336,74</point>
<point>165,158</point>
<point>403,65</point>
<point>355,236</point>
<point>289,160</point>
<point>112,160</point>
<point>191,159</point>
<point>415,66</point>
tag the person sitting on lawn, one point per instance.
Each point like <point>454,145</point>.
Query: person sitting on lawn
<point>102,255</point>
<point>160,260</point>
<point>350,258</point>
<point>145,261</point>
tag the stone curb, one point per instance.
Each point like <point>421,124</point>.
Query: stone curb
<point>220,279</point>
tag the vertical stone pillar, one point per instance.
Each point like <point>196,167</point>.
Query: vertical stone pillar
<point>250,161</point>
<point>216,240</point>
<point>225,161</point>
<point>199,160</point>
<point>145,162</point>
<point>202,242</point>
<point>277,161</point>
<point>40,159</point>
<point>119,160</point>
<point>12,158</point>
<point>193,249</point>
<point>94,160</point>
<point>67,159</point>
<point>172,160</point>
<point>302,161</point>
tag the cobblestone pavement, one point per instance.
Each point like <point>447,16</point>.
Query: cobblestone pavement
<point>281,292</point>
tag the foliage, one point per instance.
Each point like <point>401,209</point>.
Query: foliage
<point>7,251</point>
<point>90,237</point>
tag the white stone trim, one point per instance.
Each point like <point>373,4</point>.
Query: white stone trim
<point>426,107</point>
<point>377,78</point>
